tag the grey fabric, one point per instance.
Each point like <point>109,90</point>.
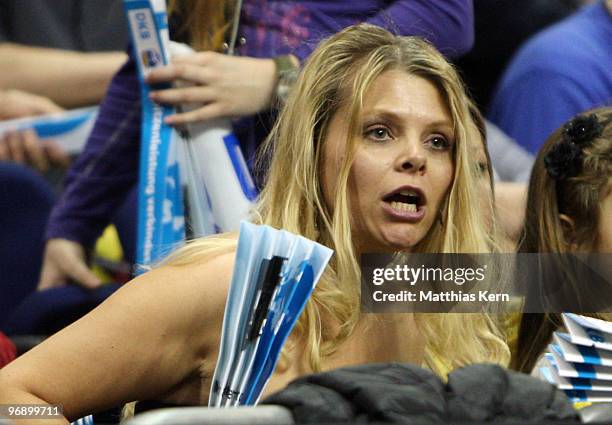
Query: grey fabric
<point>511,162</point>
<point>264,415</point>
<point>487,392</point>
<point>82,25</point>
<point>404,393</point>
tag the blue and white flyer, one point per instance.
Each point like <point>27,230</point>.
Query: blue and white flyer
<point>578,370</point>
<point>588,331</point>
<point>581,353</point>
<point>274,274</point>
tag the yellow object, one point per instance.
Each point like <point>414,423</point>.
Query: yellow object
<point>581,404</point>
<point>512,324</point>
<point>107,247</point>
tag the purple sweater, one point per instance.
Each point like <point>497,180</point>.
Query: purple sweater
<point>103,174</point>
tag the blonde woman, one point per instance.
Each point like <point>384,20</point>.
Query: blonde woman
<point>371,153</point>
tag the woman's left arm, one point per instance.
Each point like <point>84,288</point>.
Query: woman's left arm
<point>144,341</point>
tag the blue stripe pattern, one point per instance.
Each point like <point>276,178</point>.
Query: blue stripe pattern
<point>589,354</point>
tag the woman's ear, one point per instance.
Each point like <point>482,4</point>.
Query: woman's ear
<point>569,229</point>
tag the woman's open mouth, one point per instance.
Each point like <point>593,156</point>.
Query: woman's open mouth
<point>405,203</point>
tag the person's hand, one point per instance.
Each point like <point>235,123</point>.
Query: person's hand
<point>19,104</point>
<point>24,147</point>
<point>221,86</point>
<point>64,260</point>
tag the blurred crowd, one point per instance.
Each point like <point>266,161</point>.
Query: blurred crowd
<point>538,72</point>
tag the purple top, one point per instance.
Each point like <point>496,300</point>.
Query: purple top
<point>273,28</point>
<point>103,174</point>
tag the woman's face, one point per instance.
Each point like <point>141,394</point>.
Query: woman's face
<point>403,165</point>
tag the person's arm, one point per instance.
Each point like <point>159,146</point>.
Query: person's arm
<point>96,184</point>
<point>19,104</point>
<point>70,79</point>
<point>140,344</point>
<point>447,24</point>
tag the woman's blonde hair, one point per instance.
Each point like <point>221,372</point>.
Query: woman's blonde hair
<point>338,74</point>
<point>578,197</point>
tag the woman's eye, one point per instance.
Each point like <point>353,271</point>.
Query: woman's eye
<point>439,143</point>
<point>378,134</point>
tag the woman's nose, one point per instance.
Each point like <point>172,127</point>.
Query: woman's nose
<point>411,158</point>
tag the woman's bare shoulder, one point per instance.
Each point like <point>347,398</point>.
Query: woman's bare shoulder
<point>197,292</point>
<point>200,286</point>
<point>212,272</point>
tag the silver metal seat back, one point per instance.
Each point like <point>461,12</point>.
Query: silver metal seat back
<point>596,413</point>
<point>247,415</point>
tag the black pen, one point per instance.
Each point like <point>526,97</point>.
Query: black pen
<point>268,280</point>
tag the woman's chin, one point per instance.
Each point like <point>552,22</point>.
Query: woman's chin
<point>398,241</point>
<point>389,239</point>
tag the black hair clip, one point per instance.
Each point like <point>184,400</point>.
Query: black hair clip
<point>582,129</point>
<point>564,160</point>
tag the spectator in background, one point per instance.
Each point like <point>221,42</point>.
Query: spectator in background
<point>558,73</point>
<point>54,54</point>
<point>501,27</point>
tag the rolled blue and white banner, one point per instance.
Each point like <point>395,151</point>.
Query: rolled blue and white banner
<point>69,129</point>
<point>161,223</point>
<point>220,187</point>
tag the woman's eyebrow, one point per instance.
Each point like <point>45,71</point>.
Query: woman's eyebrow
<point>401,117</point>
<point>383,115</point>
<point>443,124</point>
